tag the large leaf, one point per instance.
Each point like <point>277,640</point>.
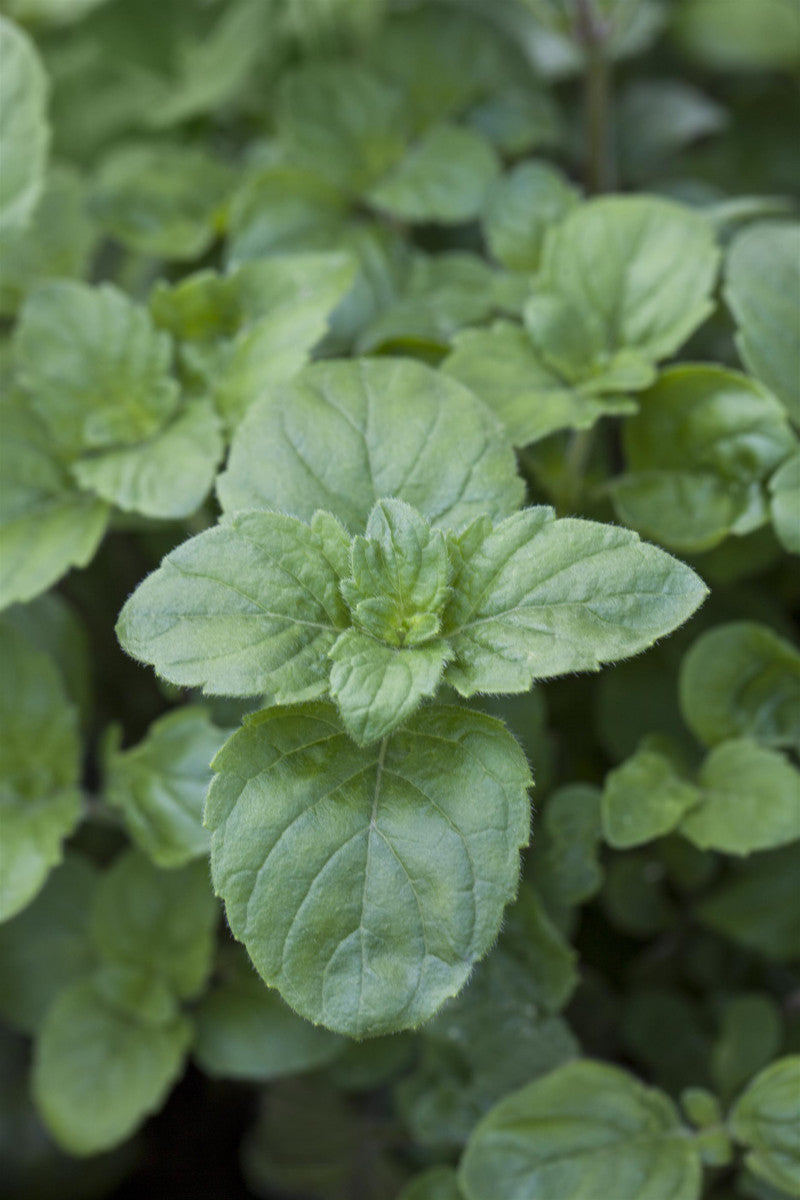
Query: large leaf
<point>161,784</point>
<point>95,366</point>
<point>537,597</point>
<point>762,288</point>
<point>699,454</point>
<point>767,1119</point>
<point>46,524</point>
<point>445,177</point>
<point>40,800</point>
<point>399,428</point>
<point>366,882</point>
<point>246,608</point>
<point>98,1072</point>
<point>741,679</point>
<point>168,475</point>
<point>24,132</point>
<point>585,1128</point>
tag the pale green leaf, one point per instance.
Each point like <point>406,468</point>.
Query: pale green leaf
<point>639,268</point>
<point>40,755</point>
<point>95,366</point>
<point>160,785</point>
<point>46,524</point>
<point>644,799</point>
<point>518,119</point>
<point>52,625</point>
<point>762,289</point>
<point>46,948</point>
<point>741,679</point>
<point>24,131</point>
<point>246,608</point>
<point>538,597</point>
<point>365,883</point>
<point>341,121</point>
<point>529,398</point>
<point>50,12</point>
<point>784,488</point>
<point>657,118</point>
<point>766,1118</point>
<point>747,35</point>
<point>283,207</point>
<point>585,1128</point>
<point>159,923</point>
<point>57,240</point>
<point>749,800</point>
<point>521,207</point>
<point>444,177</point>
<point>572,342</point>
<point>168,475</point>
<point>699,454</point>
<point>166,201</point>
<point>98,1072</point>
<point>759,905</point>
<point>400,429</point>
<point>245,1031</point>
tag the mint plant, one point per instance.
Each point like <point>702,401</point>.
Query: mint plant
<point>399,511</point>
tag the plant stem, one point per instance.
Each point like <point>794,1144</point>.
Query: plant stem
<point>593,35</point>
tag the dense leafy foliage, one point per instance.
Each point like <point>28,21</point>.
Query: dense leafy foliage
<point>398,599</point>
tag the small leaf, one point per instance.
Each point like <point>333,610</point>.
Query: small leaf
<point>400,429</point>
<point>766,1118</point>
<point>444,177</point>
<point>95,366</point>
<point>762,289</point>
<point>161,784</point>
<point>246,608</point>
<point>321,851</point>
<point>750,1036</point>
<point>98,1072</point>
<point>159,923</point>
<point>644,799</point>
<point>742,680</point>
<point>758,907</point>
<point>699,454</point>
<point>25,134</point>
<point>538,597</point>
<point>40,768</point>
<point>521,207</point>
<point>749,800</point>
<point>437,1183</point>
<point>377,686</point>
<point>586,1127</point>
<point>564,859</point>
<point>245,1031</point>
<point>784,487</point>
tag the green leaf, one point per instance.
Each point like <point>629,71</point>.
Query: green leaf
<point>56,241</point>
<point>586,1127</point>
<point>784,504</point>
<point>98,1072</point>
<point>46,948</point>
<point>377,686</point>
<point>39,766</point>
<point>762,289</point>
<point>282,207</point>
<point>166,201</point>
<point>342,122</point>
<point>644,798</point>
<point>521,207</point>
<point>744,35</point>
<point>394,424</point>
<point>249,607</point>
<point>538,597</point>
<point>322,853</point>
<point>766,1118</point>
<point>168,475</point>
<point>96,368</point>
<point>742,680</point>
<point>564,860</point>
<point>444,177</point>
<point>638,268</point>
<point>749,800</point>
<point>698,455</point>
<point>759,906</point>
<point>51,625</point>
<point>161,784</point>
<point>750,1036</point>
<point>245,1031</point>
<point>529,398</point>
<point>46,524</point>
<point>437,1183</point>
<point>518,119</point>
<point>24,133</point>
<point>159,923</point>
<point>656,119</point>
